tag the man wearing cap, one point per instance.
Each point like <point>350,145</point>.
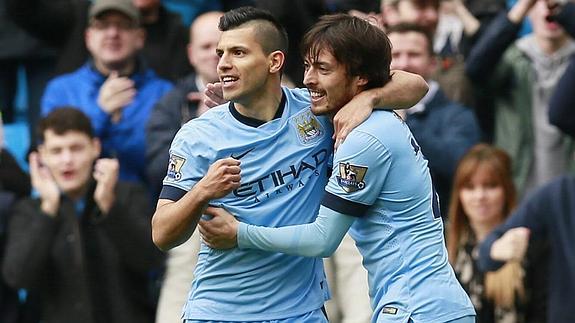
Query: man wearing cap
<point>114,88</point>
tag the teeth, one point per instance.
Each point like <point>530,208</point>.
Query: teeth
<point>229,79</point>
<point>315,94</point>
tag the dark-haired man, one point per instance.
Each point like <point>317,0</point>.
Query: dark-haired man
<point>380,187</point>
<point>83,243</point>
<point>284,151</point>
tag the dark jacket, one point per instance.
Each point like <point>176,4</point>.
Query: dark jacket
<point>166,118</point>
<point>549,213</point>
<point>445,130</point>
<point>62,24</point>
<point>561,112</point>
<point>86,267</point>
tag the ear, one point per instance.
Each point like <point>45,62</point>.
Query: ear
<point>361,81</point>
<point>190,53</point>
<point>276,60</point>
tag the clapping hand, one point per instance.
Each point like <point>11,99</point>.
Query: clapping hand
<point>44,183</point>
<point>115,94</point>
<point>106,175</point>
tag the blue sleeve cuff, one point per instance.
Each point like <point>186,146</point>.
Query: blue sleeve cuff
<point>243,243</point>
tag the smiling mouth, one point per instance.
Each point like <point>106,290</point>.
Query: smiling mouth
<point>228,80</point>
<point>316,95</point>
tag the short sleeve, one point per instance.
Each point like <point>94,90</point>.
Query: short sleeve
<point>360,167</point>
<point>187,164</point>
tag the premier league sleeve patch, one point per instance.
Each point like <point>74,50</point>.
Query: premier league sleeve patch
<point>175,167</point>
<point>351,177</point>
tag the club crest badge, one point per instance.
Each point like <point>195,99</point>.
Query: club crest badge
<point>351,177</point>
<point>307,126</point>
<point>175,166</point>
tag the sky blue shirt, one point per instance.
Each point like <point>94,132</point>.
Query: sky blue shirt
<point>381,187</point>
<point>284,166</point>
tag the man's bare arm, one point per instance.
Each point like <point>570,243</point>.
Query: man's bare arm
<point>403,91</point>
<point>174,221</point>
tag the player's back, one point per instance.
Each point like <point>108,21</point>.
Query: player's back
<point>401,234</point>
<point>284,166</point>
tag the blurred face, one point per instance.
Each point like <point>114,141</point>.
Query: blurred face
<point>410,53</point>
<point>113,40</point>
<point>243,67</point>
<point>483,199</point>
<point>407,11</point>
<point>541,27</point>
<point>329,86</point>
<point>202,48</point>
<point>69,157</point>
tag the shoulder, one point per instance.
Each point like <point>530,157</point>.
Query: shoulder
<point>297,98</point>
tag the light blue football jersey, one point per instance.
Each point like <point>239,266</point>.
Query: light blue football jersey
<point>284,167</point>
<point>381,176</point>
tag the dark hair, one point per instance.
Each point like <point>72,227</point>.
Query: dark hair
<point>270,33</point>
<point>362,47</point>
<point>403,28</point>
<point>64,119</point>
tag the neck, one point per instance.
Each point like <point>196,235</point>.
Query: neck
<point>550,46</point>
<point>481,230</point>
<point>77,194</point>
<point>122,69</point>
<point>262,105</point>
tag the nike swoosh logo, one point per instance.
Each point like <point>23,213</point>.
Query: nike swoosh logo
<point>240,156</point>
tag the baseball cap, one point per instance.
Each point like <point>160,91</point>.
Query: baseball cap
<point>123,6</point>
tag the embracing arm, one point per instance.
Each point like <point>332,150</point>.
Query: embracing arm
<point>174,221</point>
<point>318,239</point>
<point>403,91</point>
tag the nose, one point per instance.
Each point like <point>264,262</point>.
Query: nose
<point>67,156</point>
<point>309,77</point>
<point>224,63</point>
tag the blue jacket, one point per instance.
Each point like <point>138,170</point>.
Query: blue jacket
<point>445,130</point>
<point>124,140</point>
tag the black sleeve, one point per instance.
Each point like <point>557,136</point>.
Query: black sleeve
<point>566,18</point>
<point>487,52</point>
<point>562,103</point>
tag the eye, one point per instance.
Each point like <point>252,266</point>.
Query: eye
<point>219,52</point>
<point>238,52</point>
<point>306,66</point>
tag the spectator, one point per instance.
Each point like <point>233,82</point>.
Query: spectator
<point>483,198</point>
<point>449,72</point>
<point>115,89</point>
<point>62,24</point>
<point>84,245</point>
<point>521,75</point>
<point>445,130</point>
<point>176,108</point>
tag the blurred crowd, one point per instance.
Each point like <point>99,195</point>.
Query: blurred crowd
<point>108,83</point>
